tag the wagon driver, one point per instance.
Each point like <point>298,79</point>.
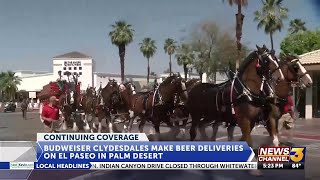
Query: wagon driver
<point>60,81</point>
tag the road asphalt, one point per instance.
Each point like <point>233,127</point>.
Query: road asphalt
<point>306,133</point>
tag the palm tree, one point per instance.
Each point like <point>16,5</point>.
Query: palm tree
<point>297,25</point>
<point>185,57</point>
<point>9,84</point>
<point>121,35</point>
<point>148,49</point>
<point>239,23</point>
<point>270,16</point>
<point>170,47</point>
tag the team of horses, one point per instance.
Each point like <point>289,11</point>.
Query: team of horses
<point>256,92</point>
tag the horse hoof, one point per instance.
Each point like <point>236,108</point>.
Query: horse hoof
<point>99,129</point>
<point>255,173</point>
<point>64,126</point>
<point>75,129</point>
<point>213,139</point>
<point>182,132</point>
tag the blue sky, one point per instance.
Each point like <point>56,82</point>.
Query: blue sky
<point>34,31</point>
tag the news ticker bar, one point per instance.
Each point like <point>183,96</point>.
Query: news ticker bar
<point>153,165</point>
<point>132,165</point>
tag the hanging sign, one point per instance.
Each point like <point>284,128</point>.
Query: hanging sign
<point>72,63</point>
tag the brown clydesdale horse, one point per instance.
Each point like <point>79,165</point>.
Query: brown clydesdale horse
<point>100,110</point>
<point>89,104</point>
<point>69,103</point>
<point>213,101</point>
<point>156,105</point>
<point>112,103</point>
<point>180,112</point>
<point>294,74</point>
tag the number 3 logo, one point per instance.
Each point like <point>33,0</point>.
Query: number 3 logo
<point>298,156</point>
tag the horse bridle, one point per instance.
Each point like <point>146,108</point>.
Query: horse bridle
<point>293,67</point>
<point>131,89</point>
<point>295,62</point>
<point>267,54</point>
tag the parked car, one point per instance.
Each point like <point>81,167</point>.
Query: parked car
<point>10,107</point>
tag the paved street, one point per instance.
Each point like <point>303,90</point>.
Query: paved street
<point>14,128</point>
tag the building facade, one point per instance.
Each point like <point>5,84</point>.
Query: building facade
<point>77,64</point>
<point>84,66</point>
<point>309,99</point>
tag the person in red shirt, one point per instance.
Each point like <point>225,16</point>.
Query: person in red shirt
<point>288,118</point>
<point>50,116</point>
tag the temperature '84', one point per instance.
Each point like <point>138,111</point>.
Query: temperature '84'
<point>295,165</point>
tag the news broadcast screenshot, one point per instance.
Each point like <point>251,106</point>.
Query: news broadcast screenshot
<point>141,89</point>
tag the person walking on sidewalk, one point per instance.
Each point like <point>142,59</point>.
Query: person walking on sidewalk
<point>287,120</point>
<point>24,107</point>
<point>50,115</point>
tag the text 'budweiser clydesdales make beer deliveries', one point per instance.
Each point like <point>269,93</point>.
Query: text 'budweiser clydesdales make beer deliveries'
<point>270,157</point>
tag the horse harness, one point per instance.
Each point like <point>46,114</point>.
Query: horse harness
<point>282,102</point>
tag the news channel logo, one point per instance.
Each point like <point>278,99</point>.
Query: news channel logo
<point>297,154</point>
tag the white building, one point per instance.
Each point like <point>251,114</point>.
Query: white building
<point>76,63</point>
<point>309,99</point>
<point>83,65</point>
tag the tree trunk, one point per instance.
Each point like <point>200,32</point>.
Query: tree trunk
<point>271,40</point>
<point>148,71</point>
<point>170,65</point>
<point>239,23</point>
<point>122,52</point>
<point>185,69</point>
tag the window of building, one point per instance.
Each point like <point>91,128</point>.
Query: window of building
<point>69,68</point>
<point>64,68</point>
<point>80,68</point>
<point>80,73</point>
<point>75,73</point>
<point>75,68</point>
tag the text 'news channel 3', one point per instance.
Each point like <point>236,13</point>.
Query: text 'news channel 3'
<point>281,157</point>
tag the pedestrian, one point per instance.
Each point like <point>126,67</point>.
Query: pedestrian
<point>32,104</point>
<point>50,115</point>
<point>286,122</point>
<point>24,107</point>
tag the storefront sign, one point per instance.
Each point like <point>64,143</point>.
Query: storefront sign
<point>32,95</point>
<point>72,63</point>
